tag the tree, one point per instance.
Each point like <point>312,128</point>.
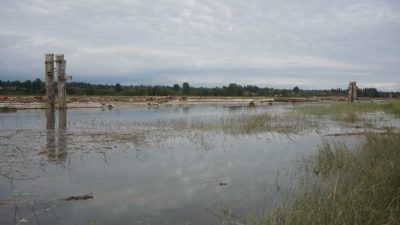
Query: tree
<point>234,90</point>
<point>89,90</point>
<point>37,86</point>
<point>27,85</point>
<point>176,87</point>
<point>186,88</point>
<point>296,90</point>
<point>118,88</point>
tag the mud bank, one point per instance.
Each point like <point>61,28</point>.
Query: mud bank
<point>38,102</point>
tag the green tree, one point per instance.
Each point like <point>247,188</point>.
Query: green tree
<point>89,90</point>
<point>234,90</point>
<point>118,88</point>
<point>186,88</point>
<point>37,86</point>
<point>176,87</point>
<point>27,85</point>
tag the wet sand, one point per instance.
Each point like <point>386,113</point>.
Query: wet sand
<point>38,102</point>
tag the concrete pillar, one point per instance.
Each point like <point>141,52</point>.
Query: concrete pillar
<point>49,73</point>
<point>352,91</point>
<point>62,93</point>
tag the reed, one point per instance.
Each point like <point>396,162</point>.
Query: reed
<point>343,185</point>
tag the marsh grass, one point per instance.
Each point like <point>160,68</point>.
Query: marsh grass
<point>341,185</point>
<point>244,124</point>
<point>356,108</point>
<point>359,114</point>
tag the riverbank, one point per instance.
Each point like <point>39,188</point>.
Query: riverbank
<point>38,102</point>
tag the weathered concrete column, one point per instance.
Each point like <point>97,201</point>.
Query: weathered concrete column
<point>62,92</point>
<point>49,73</point>
<point>352,91</point>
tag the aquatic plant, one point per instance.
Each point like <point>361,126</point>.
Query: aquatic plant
<point>346,107</point>
<point>286,122</point>
<point>343,185</point>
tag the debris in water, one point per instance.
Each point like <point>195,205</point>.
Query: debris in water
<point>78,197</point>
<point>22,220</point>
<point>43,152</point>
<point>223,184</point>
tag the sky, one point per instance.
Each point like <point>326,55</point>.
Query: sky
<point>312,44</point>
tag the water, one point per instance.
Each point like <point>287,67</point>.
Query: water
<point>140,166</point>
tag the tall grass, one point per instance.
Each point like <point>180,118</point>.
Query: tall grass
<point>346,107</point>
<point>255,123</point>
<point>346,186</point>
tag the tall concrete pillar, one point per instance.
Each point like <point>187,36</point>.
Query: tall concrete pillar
<point>62,93</point>
<point>49,73</point>
<point>352,91</point>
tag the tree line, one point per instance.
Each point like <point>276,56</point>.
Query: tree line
<point>37,87</point>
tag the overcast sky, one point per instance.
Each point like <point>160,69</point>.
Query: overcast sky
<point>274,43</point>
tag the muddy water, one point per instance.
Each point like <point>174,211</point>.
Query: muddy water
<point>139,168</point>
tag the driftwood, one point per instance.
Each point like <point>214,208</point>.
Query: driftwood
<point>78,197</point>
<point>360,133</point>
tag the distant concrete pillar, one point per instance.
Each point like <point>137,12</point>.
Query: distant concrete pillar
<point>60,65</point>
<point>352,91</point>
<point>49,73</point>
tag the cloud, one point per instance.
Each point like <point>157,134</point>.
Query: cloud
<point>201,41</point>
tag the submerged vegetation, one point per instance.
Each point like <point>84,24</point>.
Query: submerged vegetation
<point>343,185</point>
<point>286,122</point>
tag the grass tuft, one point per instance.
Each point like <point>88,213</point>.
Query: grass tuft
<point>350,186</point>
<point>346,107</point>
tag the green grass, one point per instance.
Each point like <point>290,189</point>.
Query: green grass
<point>346,107</point>
<point>345,186</point>
<point>252,123</point>
<point>352,113</point>
<point>284,123</point>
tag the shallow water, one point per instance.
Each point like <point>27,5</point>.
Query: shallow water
<point>140,169</point>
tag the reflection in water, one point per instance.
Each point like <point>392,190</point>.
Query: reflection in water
<point>186,110</point>
<point>142,156</point>
<point>234,108</point>
<point>150,173</point>
<point>62,134</point>
<point>56,153</point>
<point>50,118</point>
<point>50,126</point>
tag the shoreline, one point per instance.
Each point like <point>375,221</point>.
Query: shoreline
<point>37,102</point>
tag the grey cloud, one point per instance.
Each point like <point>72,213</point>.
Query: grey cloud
<point>311,42</point>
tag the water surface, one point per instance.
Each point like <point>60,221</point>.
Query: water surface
<point>143,165</point>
